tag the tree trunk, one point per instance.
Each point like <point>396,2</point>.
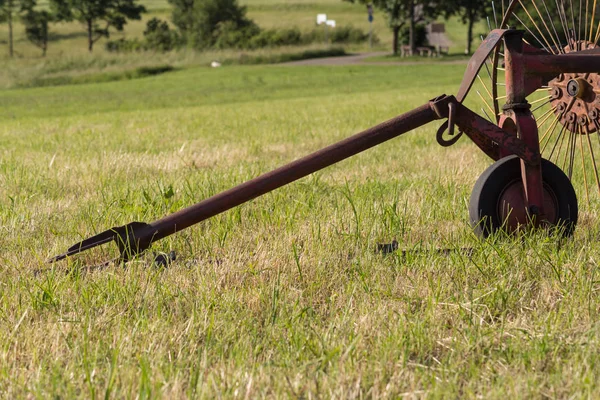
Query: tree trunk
<point>470,33</point>
<point>90,37</point>
<point>10,29</point>
<point>45,38</point>
<point>411,27</point>
<point>396,31</point>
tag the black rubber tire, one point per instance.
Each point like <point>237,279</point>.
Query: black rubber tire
<point>483,205</point>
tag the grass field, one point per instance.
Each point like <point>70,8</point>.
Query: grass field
<point>283,296</point>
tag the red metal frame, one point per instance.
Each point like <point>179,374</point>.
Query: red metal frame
<point>527,69</point>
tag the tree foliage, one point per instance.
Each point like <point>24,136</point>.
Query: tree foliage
<point>202,21</point>
<point>98,16</point>
<point>470,12</point>
<point>401,13</point>
<point>8,10</point>
<point>159,36</point>
<point>36,24</point>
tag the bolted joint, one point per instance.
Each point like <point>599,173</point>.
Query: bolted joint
<point>516,106</point>
<point>556,93</point>
<point>441,105</point>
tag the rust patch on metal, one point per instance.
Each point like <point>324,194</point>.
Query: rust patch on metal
<point>575,97</point>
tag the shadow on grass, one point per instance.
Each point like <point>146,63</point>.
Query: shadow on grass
<point>54,36</point>
<point>276,58</point>
<point>141,72</point>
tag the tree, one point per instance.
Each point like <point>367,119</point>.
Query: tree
<point>470,12</point>
<point>98,16</point>
<point>403,12</point>
<point>159,36</point>
<point>36,24</point>
<point>200,21</point>
<point>8,11</point>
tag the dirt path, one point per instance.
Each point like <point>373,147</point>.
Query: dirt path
<point>359,59</point>
<point>340,60</point>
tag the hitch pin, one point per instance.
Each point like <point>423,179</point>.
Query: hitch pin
<point>451,115</point>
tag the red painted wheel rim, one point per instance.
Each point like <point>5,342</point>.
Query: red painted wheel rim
<point>512,210</point>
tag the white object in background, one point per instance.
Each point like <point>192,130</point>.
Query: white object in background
<point>331,23</point>
<point>321,18</point>
<point>215,64</point>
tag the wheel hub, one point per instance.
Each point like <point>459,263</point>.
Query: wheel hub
<point>578,87</point>
<point>512,210</point>
<point>574,97</point>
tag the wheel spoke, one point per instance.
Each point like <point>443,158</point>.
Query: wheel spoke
<point>536,26</point>
<point>567,152</point>
<point>541,105</point>
<point>589,141</point>
<point>558,47</point>
<point>538,100</point>
<point>560,137</point>
<point>585,34</point>
<point>561,20</point>
<point>562,141</point>
<point>533,34</point>
<point>573,145</point>
<point>485,102</point>
<point>592,23</point>
<point>573,22</point>
<point>485,87</point>
<point>585,184</point>
<point>579,22</point>
<point>544,117</point>
<point>487,116</point>
<point>495,17</point>
<point>551,128</point>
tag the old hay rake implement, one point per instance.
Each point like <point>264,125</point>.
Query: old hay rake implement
<point>538,76</point>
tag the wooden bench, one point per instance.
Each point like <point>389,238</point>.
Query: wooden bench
<point>405,51</point>
<point>425,51</point>
<point>442,50</point>
<point>421,50</point>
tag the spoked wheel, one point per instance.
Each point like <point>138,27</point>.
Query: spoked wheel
<point>498,200</point>
<point>567,108</point>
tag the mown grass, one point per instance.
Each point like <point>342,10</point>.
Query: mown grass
<point>284,296</point>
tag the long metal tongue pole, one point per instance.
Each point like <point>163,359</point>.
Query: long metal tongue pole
<point>293,171</point>
<point>136,237</point>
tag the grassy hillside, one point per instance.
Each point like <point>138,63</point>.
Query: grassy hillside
<point>284,296</point>
<point>71,37</point>
<point>68,58</point>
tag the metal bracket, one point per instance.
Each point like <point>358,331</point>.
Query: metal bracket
<point>132,239</point>
<point>490,138</point>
